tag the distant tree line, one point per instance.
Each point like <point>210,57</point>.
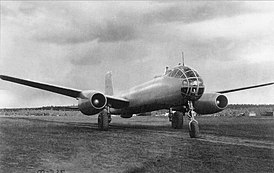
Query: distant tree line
<point>231,110</point>
<point>41,111</point>
<point>57,108</point>
<point>246,110</point>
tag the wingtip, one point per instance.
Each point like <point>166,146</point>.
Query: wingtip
<point>4,77</point>
<point>1,76</point>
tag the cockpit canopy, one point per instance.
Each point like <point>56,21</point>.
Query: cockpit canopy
<point>192,84</point>
<point>182,72</point>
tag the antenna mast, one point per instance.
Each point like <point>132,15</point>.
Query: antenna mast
<point>183,58</point>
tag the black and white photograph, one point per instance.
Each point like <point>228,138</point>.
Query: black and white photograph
<point>136,86</point>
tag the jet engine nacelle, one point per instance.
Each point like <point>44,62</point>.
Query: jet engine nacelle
<point>210,103</point>
<point>94,103</point>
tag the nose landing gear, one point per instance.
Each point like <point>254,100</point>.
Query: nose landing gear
<point>193,124</point>
<point>176,119</point>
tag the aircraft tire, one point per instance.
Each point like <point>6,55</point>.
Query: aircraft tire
<point>177,120</point>
<point>103,120</point>
<point>180,119</point>
<point>173,121</point>
<point>193,129</point>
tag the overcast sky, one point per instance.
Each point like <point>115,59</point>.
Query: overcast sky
<point>73,44</point>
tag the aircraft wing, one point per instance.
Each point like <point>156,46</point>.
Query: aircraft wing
<point>115,102</point>
<point>48,87</point>
<point>244,88</point>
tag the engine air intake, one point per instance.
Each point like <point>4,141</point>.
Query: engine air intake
<point>98,101</point>
<point>92,103</point>
<point>210,103</point>
<point>221,101</point>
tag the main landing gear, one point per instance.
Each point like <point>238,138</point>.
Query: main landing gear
<point>104,118</point>
<point>176,119</point>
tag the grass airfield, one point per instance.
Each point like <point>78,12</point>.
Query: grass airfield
<point>139,144</point>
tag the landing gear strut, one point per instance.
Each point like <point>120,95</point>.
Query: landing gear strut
<point>193,124</point>
<point>104,119</point>
<point>176,119</point>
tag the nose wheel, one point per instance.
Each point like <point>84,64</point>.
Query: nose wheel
<point>193,124</point>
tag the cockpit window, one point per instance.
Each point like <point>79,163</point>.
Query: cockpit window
<point>173,72</point>
<point>192,84</point>
<point>190,74</point>
<point>184,68</point>
<point>179,74</point>
<point>200,82</point>
<point>193,81</point>
<point>196,73</point>
<point>185,82</point>
<point>184,72</point>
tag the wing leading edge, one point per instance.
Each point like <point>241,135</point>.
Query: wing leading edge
<point>244,88</point>
<point>48,87</point>
<point>115,102</point>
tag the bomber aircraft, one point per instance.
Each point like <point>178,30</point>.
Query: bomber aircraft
<point>180,90</point>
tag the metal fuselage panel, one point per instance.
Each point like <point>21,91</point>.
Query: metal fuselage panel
<point>160,93</point>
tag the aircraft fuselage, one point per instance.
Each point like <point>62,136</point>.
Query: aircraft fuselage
<point>173,89</point>
<point>160,93</point>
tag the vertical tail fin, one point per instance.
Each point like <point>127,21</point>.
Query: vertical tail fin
<point>108,84</point>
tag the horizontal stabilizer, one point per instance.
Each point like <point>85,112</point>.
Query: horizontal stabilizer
<point>48,87</point>
<point>245,88</point>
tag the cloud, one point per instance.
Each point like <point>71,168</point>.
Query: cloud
<point>94,53</point>
<point>74,44</point>
<point>192,12</point>
<point>239,27</point>
<point>63,23</point>
<point>116,32</point>
<point>7,12</point>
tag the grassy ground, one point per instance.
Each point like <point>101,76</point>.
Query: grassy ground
<point>139,144</point>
